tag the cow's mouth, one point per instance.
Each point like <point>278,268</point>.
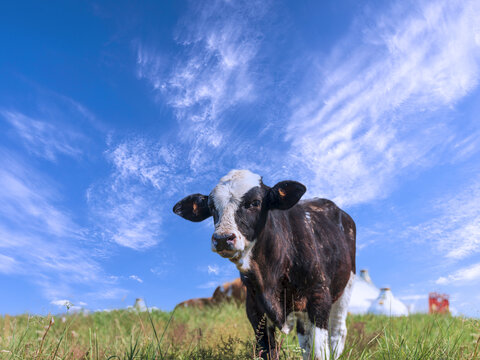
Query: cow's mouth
<point>228,254</point>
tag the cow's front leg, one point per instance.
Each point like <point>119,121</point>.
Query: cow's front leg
<point>314,340</point>
<point>264,330</point>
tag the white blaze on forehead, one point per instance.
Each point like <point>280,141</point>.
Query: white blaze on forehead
<point>227,196</point>
<point>233,186</point>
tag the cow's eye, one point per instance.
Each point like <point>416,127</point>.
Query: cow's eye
<point>255,203</point>
<point>252,204</point>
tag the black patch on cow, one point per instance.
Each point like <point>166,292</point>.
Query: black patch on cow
<point>252,211</point>
<point>193,207</point>
<point>285,194</point>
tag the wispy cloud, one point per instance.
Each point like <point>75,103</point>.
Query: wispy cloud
<point>150,163</point>
<point>218,44</point>
<point>68,305</point>
<point>41,236</point>
<point>30,198</point>
<point>42,138</point>
<point>125,214</point>
<point>463,275</point>
<point>136,278</point>
<point>219,273</point>
<point>454,230</point>
<point>226,271</point>
<point>377,101</point>
<point>127,206</point>
<point>7,264</point>
<point>213,269</point>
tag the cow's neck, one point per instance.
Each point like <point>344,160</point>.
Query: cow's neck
<point>269,252</point>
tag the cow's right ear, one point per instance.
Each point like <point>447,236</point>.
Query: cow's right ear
<point>193,207</point>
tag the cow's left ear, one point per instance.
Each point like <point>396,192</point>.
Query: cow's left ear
<point>285,194</point>
<point>193,207</point>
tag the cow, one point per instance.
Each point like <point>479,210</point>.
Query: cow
<point>296,258</point>
<point>232,291</point>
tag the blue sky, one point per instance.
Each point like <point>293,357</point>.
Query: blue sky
<point>110,112</point>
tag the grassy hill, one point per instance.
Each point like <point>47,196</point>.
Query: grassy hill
<point>223,333</point>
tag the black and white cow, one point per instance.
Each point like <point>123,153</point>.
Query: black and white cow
<point>296,258</point>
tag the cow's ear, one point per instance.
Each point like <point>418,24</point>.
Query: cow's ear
<point>285,194</point>
<point>193,207</point>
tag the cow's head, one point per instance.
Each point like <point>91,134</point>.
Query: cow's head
<point>239,205</point>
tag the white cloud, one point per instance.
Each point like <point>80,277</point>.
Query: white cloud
<point>376,106</point>
<point>130,204</point>
<point>42,239</point>
<point>454,231</point>
<point>67,304</point>
<point>149,163</point>
<point>213,269</point>
<point>219,43</point>
<point>136,278</point>
<point>62,303</point>
<point>7,264</point>
<point>466,274</point>
<point>127,206</point>
<point>43,138</point>
<point>125,214</point>
<point>226,271</point>
<point>29,197</point>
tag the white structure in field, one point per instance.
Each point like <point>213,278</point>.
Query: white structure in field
<point>367,298</point>
<point>363,293</point>
<point>387,304</point>
<point>140,305</point>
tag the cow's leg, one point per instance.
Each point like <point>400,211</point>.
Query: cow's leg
<point>314,342</point>
<point>337,322</point>
<point>264,331</point>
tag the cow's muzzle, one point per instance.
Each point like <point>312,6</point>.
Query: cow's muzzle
<point>224,244</point>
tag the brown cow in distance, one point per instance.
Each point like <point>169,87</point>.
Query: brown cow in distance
<point>233,291</point>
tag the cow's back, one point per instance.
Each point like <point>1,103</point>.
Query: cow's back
<point>335,232</point>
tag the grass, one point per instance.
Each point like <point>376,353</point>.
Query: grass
<point>223,333</point>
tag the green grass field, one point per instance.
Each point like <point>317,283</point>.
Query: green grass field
<point>223,333</point>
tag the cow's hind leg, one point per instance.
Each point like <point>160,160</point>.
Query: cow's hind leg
<point>337,321</point>
<point>314,343</point>
<point>313,340</point>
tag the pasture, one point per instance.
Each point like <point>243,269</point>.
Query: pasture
<point>223,333</point>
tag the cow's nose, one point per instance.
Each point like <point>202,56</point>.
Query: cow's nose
<point>223,241</point>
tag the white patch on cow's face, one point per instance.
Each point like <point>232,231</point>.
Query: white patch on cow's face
<point>227,196</point>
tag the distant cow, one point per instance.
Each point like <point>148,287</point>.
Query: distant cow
<point>296,259</point>
<point>233,291</point>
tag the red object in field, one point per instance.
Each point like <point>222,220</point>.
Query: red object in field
<point>438,303</point>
